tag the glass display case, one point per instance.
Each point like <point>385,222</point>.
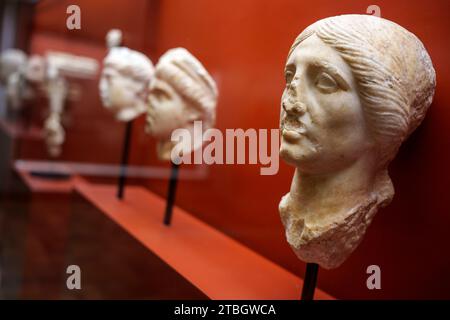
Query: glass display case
<point>95,202</point>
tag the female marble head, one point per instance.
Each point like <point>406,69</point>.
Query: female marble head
<point>124,82</point>
<point>356,87</point>
<point>181,92</point>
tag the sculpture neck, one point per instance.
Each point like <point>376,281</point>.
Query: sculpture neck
<point>131,112</point>
<point>326,215</point>
<point>164,149</point>
<point>323,197</point>
<point>190,142</point>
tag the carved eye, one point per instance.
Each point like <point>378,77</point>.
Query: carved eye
<point>326,83</point>
<point>288,75</point>
<point>161,94</point>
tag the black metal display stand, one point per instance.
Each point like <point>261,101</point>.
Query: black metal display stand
<point>171,194</point>
<point>124,162</point>
<point>310,281</point>
<point>123,173</point>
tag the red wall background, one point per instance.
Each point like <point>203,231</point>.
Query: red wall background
<point>244,46</point>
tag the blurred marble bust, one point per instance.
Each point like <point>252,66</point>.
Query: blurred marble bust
<point>181,93</point>
<point>356,87</point>
<point>13,63</point>
<point>124,82</point>
<point>25,77</point>
<point>54,74</point>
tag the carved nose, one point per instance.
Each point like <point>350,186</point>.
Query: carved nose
<point>295,108</point>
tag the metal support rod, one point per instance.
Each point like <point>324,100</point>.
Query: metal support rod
<point>309,283</point>
<point>171,194</point>
<point>124,162</point>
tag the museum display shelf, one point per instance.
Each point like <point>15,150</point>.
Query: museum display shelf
<point>41,184</point>
<point>216,264</point>
<point>219,266</point>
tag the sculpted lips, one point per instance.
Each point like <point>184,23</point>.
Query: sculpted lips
<point>291,135</point>
<point>292,129</point>
<point>292,132</point>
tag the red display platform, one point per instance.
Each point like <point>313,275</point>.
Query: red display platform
<point>219,266</point>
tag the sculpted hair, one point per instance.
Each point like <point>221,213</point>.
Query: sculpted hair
<point>188,76</point>
<point>130,63</point>
<point>395,93</point>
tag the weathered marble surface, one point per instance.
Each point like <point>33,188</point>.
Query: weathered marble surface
<point>356,87</point>
<point>181,93</point>
<point>124,79</point>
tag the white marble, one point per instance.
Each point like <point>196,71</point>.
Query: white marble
<point>124,82</point>
<point>181,93</point>
<point>356,87</point>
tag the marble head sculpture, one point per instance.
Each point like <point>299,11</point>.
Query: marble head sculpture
<point>181,93</point>
<point>124,82</point>
<point>356,87</point>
